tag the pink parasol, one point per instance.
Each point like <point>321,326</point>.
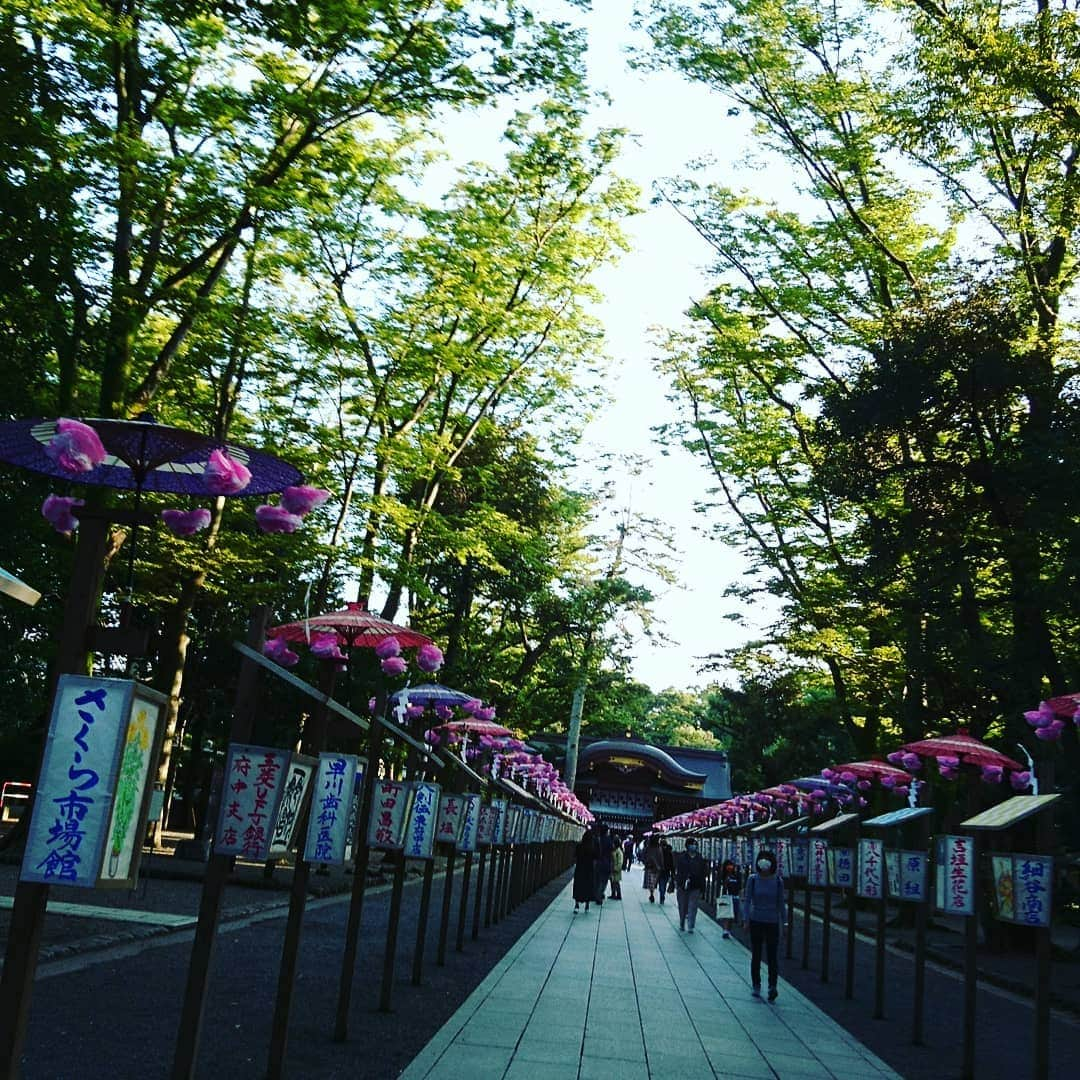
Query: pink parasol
<point>965,748</point>
<point>868,770</point>
<point>355,627</point>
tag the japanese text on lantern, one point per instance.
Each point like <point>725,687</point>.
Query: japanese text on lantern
<point>331,806</point>
<point>451,818</point>
<point>249,800</point>
<point>841,868</point>
<point>1031,876</point>
<point>499,807</point>
<point>389,813</point>
<point>913,876</point>
<point>420,835</point>
<point>819,862</point>
<point>89,809</point>
<point>72,796</point>
<point>291,805</point>
<point>871,859</point>
<point>485,828</point>
<point>470,813</point>
<point>955,875</point>
<point>800,857</point>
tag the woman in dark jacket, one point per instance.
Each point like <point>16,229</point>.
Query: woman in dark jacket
<point>585,870</point>
<point>654,864</point>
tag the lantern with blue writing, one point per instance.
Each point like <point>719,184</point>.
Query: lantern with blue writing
<point>93,796</point>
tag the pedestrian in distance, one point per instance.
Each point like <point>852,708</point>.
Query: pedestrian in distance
<point>667,871</point>
<point>764,914</point>
<point>628,852</point>
<point>616,871</point>
<point>689,882</point>
<point>728,900</point>
<point>653,858</point>
<point>585,870</point>
<point>604,846</point>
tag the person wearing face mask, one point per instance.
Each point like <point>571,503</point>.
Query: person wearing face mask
<point>763,909</point>
<point>689,881</point>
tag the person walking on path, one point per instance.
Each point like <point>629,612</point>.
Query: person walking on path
<point>603,861</point>
<point>628,852</point>
<point>729,888</point>
<point>653,858</point>
<point>689,881</point>
<point>667,871</point>
<point>764,909</point>
<point>585,870</point>
<point>616,871</point>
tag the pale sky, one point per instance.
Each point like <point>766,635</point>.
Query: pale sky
<point>646,293</point>
<point>651,288</point>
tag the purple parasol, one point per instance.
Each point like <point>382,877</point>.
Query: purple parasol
<point>431,694</point>
<point>142,455</point>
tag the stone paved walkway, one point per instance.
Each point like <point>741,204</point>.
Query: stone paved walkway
<point>619,991</point>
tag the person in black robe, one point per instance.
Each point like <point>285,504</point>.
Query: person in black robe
<point>585,870</point>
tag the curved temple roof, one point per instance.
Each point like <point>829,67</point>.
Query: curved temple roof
<point>641,755</point>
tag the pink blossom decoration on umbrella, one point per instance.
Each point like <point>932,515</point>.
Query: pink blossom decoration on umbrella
<point>56,510</point>
<point>1041,717</point>
<point>389,646</point>
<point>274,519</point>
<point>1051,732</point>
<point>325,647</point>
<point>911,762</point>
<point>414,712</point>
<point>393,665</point>
<point>75,447</point>
<point>301,500</point>
<point>896,757</point>
<point>847,776</point>
<point>472,705</point>
<point>444,712</point>
<point>429,658</point>
<point>864,785</point>
<point>186,522</point>
<point>225,475</point>
<point>1020,781</point>
<point>278,650</point>
<point>948,766</point>
<point>993,774</point>
<point>431,736</point>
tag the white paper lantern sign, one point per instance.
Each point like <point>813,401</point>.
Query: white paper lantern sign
<point>842,867</point>
<point>423,818</point>
<point>800,857</point>
<point>871,883</point>
<point>818,870</point>
<point>254,780</point>
<point>954,875</point>
<point>485,825</point>
<point>331,805</point>
<point>1022,888</point>
<point>295,791</point>
<point>470,816</point>
<point>93,795</point>
<point>390,806</point>
<point>499,808</point>
<point>451,818</point>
